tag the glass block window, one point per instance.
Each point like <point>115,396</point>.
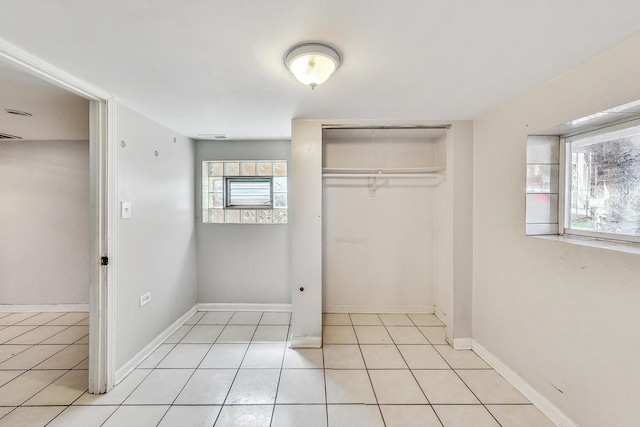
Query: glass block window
<point>542,185</point>
<point>244,191</point>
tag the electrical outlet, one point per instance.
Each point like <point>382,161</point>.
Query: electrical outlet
<point>145,299</point>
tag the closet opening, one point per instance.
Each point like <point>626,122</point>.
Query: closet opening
<point>382,190</point>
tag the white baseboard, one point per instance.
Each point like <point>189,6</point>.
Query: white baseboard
<point>440,314</point>
<point>128,367</point>
<point>242,307</point>
<point>426,309</point>
<point>462,343</point>
<point>542,403</point>
<point>306,342</point>
<point>43,308</point>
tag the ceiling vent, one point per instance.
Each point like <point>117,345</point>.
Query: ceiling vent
<point>18,112</point>
<point>7,136</point>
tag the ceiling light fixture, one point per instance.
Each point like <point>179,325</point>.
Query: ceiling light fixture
<point>312,63</point>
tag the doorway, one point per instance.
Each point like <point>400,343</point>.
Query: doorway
<point>97,170</point>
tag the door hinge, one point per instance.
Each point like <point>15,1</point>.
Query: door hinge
<point>104,260</point>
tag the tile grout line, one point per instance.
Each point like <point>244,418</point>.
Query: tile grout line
<point>469,388</point>
<point>324,376</point>
<point>275,398</point>
<point>239,366</point>
<point>192,373</point>
<point>386,328</point>
<point>42,342</point>
<point>18,336</point>
<point>29,346</point>
<point>121,404</point>
<point>58,333</point>
<point>56,318</point>
<point>367,368</point>
<point>42,361</point>
<point>237,370</point>
<point>26,318</point>
<point>146,376</point>
<point>411,370</point>
<point>33,369</point>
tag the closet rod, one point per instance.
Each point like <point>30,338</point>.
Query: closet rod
<point>398,127</point>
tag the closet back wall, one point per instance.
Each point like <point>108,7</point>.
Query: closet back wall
<point>241,263</point>
<point>379,249</point>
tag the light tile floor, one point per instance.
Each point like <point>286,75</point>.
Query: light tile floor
<point>235,369</point>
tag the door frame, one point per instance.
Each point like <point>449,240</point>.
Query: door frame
<point>102,209</point>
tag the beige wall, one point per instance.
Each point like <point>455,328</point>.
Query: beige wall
<point>562,316</point>
<point>44,222</point>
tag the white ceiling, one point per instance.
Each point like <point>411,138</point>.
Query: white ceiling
<point>208,67</point>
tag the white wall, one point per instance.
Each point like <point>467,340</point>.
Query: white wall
<point>305,216</point>
<point>454,219</point>
<point>241,263</point>
<point>155,250</point>
<point>44,222</point>
<point>378,252</point>
<point>460,169</point>
<point>562,316</point>
<point>443,268</point>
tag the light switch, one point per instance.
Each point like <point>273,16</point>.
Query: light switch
<point>126,210</point>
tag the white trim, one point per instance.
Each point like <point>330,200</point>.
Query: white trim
<point>110,212</point>
<point>440,314</point>
<point>129,366</point>
<point>43,308</point>
<point>541,402</point>
<point>305,342</point>
<point>462,343</point>
<point>423,309</point>
<point>242,307</point>
<point>44,70</point>
<point>574,239</point>
<point>101,293</point>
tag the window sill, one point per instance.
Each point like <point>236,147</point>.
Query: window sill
<point>627,247</point>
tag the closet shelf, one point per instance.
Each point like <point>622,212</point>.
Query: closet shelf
<point>384,170</point>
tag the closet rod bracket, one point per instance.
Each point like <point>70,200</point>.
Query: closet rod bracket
<point>374,180</point>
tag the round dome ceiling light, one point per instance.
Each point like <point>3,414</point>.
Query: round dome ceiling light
<point>312,63</point>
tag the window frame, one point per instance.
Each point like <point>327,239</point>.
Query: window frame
<point>227,191</point>
<point>564,211</point>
